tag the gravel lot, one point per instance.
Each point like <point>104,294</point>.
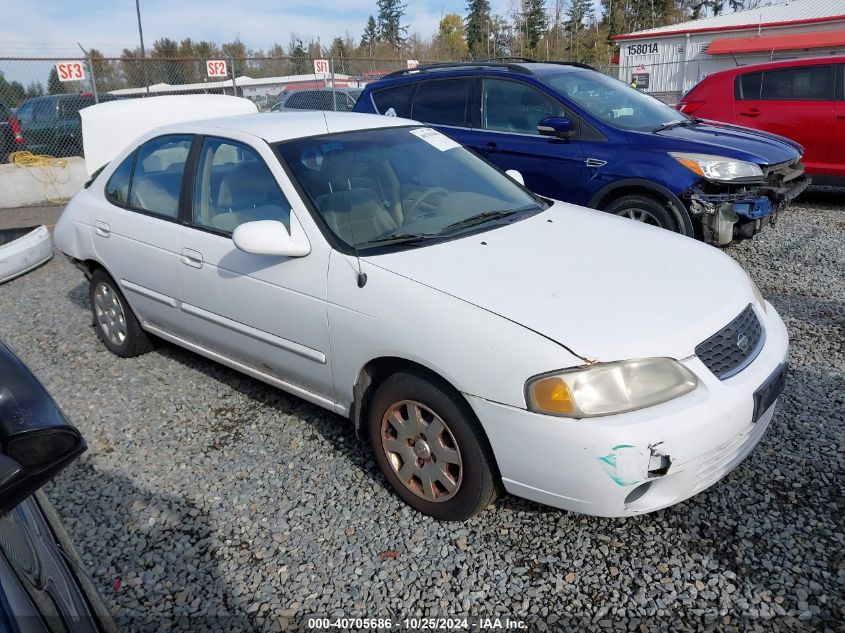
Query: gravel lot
<point>208,500</point>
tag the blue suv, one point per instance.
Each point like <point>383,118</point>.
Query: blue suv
<point>579,136</point>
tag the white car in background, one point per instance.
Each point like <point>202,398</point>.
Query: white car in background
<point>478,335</point>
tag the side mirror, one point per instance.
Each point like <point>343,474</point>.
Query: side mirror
<point>515,175</point>
<point>37,440</point>
<point>557,127</point>
<point>270,237</point>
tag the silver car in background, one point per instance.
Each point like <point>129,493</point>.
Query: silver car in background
<point>319,99</point>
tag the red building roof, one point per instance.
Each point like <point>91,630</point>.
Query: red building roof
<point>791,42</point>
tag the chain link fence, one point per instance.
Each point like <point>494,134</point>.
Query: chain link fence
<point>43,96</point>
<point>40,98</point>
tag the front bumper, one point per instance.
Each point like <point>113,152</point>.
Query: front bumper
<point>729,212</point>
<point>640,461</point>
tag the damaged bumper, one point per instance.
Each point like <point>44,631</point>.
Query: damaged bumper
<point>738,211</point>
<point>640,461</point>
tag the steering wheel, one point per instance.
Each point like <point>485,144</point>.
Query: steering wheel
<point>412,211</point>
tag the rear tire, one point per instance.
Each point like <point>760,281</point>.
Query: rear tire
<point>643,208</point>
<point>115,323</point>
<point>430,448</point>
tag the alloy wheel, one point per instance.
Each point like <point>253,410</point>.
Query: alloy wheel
<point>639,215</point>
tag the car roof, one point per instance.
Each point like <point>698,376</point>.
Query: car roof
<point>274,127</point>
<point>782,63</point>
<point>510,68</point>
<point>337,89</point>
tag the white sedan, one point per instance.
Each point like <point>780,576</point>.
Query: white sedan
<point>479,336</point>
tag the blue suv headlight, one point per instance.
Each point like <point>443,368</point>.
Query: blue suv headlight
<point>719,168</point>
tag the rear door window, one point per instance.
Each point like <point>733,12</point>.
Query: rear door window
<point>393,101</point>
<point>442,102</point>
<point>157,179</point>
<point>808,83</point>
<point>296,100</point>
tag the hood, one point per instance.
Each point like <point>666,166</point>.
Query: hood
<point>605,287</point>
<point>733,141</point>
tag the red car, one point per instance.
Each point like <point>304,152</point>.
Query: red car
<point>802,99</point>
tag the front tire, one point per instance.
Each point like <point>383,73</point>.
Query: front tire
<point>643,208</point>
<point>430,447</point>
<point>115,323</point>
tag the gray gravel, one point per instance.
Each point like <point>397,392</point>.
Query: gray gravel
<point>209,500</point>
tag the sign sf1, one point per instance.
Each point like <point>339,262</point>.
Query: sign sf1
<point>216,68</point>
<point>321,66</point>
<point>70,71</point>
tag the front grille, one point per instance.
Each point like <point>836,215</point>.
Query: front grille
<point>732,348</point>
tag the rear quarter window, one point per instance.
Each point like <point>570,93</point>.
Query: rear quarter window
<point>395,98</point>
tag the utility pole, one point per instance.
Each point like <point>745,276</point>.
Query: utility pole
<point>143,54</point>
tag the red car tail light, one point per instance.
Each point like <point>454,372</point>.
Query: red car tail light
<point>16,130</point>
<point>688,107</point>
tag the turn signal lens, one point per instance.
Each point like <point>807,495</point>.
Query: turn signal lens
<point>692,165</point>
<point>552,394</point>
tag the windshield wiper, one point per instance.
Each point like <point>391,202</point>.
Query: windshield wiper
<point>481,218</point>
<point>402,238</point>
<point>670,124</point>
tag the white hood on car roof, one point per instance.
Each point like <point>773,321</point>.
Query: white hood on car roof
<point>605,287</point>
<point>108,128</point>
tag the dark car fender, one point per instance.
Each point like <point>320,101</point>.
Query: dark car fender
<point>677,207</point>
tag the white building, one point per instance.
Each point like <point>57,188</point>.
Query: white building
<point>671,59</point>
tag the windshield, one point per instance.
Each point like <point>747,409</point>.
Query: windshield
<point>614,102</point>
<point>402,185</point>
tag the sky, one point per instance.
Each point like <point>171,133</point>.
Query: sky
<point>53,27</point>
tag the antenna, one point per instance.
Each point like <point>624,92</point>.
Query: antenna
<point>361,277</point>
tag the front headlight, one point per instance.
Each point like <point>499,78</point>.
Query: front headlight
<point>609,388</point>
<point>718,167</point>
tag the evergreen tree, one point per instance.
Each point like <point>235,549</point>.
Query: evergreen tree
<point>54,86</point>
<point>299,57</point>
<point>534,22</point>
<point>370,34</point>
<point>390,28</point>
<point>478,27</point>
<point>579,18</point>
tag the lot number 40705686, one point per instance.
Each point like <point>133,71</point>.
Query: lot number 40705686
<point>70,71</point>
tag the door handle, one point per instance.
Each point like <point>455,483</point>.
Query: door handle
<point>492,147</point>
<point>102,229</point>
<point>191,258</point>
<point>753,112</point>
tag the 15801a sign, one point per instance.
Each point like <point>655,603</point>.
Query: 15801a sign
<point>642,49</point>
<point>70,71</point>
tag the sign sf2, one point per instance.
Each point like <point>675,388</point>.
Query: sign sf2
<point>642,49</point>
<point>216,68</point>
